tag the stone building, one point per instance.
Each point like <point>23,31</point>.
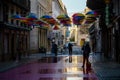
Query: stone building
<point>109,27</point>
<point>39,35</point>
<point>14,35</point>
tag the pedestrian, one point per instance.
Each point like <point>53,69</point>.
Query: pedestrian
<point>70,51</point>
<point>54,50</point>
<point>86,50</point>
<point>70,48</point>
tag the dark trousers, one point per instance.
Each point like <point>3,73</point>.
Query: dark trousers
<point>70,51</point>
<point>55,58</point>
<point>85,60</point>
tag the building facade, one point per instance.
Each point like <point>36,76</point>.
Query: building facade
<point>39,35</point>
<point>109,27</point>
<point>14,35</point>
<point>58,8</point>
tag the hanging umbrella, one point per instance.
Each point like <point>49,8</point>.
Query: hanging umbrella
<point>90,18</point>
<point>49,19</point>
<point>92,13</point>
<point>77,18</point>
<point>78,14</point>
<point>64,19</point>
<point>31,17</point>
<point>62,16</point>
<point>44,17</point>
<point>66,22</point>
<point>56,27</point>
<point>16,17</point>
<point>45,26</point>
<point>40,22</point>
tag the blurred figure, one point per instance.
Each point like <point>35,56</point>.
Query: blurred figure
<point>82,41</point>
<point>70,51</point>
<point>70,48</point>
<point>65,47</point>
<point>86,50</point>
<point>54,50</point>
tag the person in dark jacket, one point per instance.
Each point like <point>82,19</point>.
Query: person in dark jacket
<point>54,50</point>
<point>70,51</point>
<point>70,48</point>
<point>86,50</point>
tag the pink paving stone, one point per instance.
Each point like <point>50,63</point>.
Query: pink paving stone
<point>48,71</point>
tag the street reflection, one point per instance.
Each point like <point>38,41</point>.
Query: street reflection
<point>46,69</point>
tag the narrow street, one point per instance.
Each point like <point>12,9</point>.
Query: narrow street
<point>59,40</point>
<point>46,69</point>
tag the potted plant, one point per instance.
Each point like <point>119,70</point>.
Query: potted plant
<point>42,49</point>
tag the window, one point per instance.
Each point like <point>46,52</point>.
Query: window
<point>6,11</point>
<point>12,12</point>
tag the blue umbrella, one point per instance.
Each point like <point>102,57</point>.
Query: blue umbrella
<point>46,17</point>
<point>16,16</point>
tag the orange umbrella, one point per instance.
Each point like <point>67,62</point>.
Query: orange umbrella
<point>56,27</point>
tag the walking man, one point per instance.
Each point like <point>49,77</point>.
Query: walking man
<point>70,51</point>
<point>55,50</point>
<point>86,50</point>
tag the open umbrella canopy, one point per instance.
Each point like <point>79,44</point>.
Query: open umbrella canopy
<point>77,18</point>
<point>56,27</point>
<point>90,17</point>
<point>64,19</point>
<point>16,17</point>
<point>63,16</point>
<point>49,19</point>
<point>94,13</point>
<point>78,22</point>
<point>66,22</point>
<point>78,14</point>
<point>40,22</point>
<point>45,25</point>
<point>52,21</point>
<point>46,17</point>
<point>90,12</point>
<point>32,16</point>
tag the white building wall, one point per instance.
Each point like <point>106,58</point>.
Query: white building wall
<point>56,11</point>
<point>34,31</point>
<point>34,39</point>
<point>33,7</point>
<point>40,8</point>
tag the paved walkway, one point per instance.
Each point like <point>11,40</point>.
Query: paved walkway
<point>46,68</point>
<point>4,66</point>
<point>105,69</point>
